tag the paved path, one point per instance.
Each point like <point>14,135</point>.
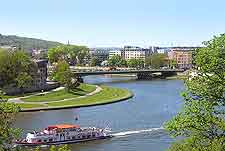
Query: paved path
<point>19,99</point>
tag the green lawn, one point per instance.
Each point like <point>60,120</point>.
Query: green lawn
<point>62,94</point>
<point>107,95</point>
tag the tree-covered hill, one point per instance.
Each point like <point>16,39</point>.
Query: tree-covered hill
<point>26,43</point>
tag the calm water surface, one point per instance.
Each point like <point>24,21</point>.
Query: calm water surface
<point>137,123</point>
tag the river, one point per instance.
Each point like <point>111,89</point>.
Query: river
<point>136,123</point>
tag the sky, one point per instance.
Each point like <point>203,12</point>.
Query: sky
<point>100,23</point>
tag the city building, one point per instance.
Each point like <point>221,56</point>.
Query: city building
<point>101,54</point>
<point>163,50</point>
<point>182,56</point>
<point>133,52</point>
<point>114,53</point>
<point>40,77</point>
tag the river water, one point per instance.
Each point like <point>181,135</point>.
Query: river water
<point>136,123</point>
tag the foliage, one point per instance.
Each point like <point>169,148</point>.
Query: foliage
<point>117,61</point>
<point>156,60</point>
<point>23,80</point>
<point>72,54</point>
<point>26,43</point>
<point>8,112</point>
<point>135,63</point>
<point>173,63</point>
<point>201,121</point>
<point>62,73</point>
<point>94,61</point>
<point>14,66</point>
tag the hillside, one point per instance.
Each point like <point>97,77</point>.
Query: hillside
<point>26,43</point>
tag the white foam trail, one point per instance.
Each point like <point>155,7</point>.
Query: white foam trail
<point>136,132</point>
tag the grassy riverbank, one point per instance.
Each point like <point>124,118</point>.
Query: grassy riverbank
<point>107,95</point>
<point>82,90</point>
<point>81,98</point>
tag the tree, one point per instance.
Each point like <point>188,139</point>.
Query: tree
<point>156,60</point>
<point>23,80</point>
<point>8,112</point>
<point>117,61</point>
<point>8,134</point>
<point>94,61</point>
<point>64,75</point>
<point>173,63</point>
<point>70,53</point>
<point>201,122</point>
<point>135,63</point>
<point>13,65</point>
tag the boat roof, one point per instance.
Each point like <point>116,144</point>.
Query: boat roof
<point>63,126</point>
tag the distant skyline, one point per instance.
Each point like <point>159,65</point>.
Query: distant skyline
<point>115,23</point>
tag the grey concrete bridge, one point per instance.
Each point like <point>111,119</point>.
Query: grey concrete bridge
<point>141,74</point>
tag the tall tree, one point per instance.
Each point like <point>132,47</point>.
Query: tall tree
<point>94,61</point>
<point>8,112</point>
<point>156,60</point>
<point>135,63</point>
<point>173,63</point>
<point>201,122</point>
<point>117,61</point>
<point>23,80</point>
<point>13,65</point>
<point>64,76</point>
<point>70,53</point>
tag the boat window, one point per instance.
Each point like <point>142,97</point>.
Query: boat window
<point>50,140</point>
<point>57,134</point>
<point>73,137</point>
<point>39,140</point>
<point>45,140</point>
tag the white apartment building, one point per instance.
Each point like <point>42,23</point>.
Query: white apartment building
<point>134,54</point>
<point>114,52</point>
<point>131,52</point>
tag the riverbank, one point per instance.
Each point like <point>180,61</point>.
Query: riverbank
<point>85,97</point>
<point>177,77</point>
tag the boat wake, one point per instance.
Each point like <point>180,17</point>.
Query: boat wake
<point>121,134</point>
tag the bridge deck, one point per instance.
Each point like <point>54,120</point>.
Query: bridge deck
<point>126,71</point>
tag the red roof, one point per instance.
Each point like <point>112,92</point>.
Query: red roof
<point>63,126</point>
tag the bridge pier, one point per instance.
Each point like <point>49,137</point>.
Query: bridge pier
<point>145,76</point>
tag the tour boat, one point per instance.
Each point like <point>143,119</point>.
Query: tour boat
<point>63,134</point>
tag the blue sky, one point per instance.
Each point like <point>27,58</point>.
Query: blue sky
<point>115,22</point>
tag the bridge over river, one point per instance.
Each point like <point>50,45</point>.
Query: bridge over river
<point>141,74</point>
